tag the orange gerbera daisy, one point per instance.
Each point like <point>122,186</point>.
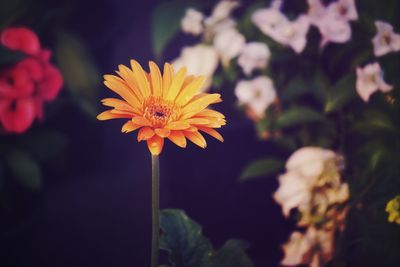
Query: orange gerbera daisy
<point>162,106</point>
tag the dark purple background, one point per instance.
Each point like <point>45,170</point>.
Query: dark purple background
<point>97,212</point>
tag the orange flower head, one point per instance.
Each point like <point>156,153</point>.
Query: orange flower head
<point>162,106</point>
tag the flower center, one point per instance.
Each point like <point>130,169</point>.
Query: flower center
<point>386,39</point>
<point>160,112</point>
<point>343,10</point>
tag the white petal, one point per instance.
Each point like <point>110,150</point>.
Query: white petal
<point>293,191</point>
<point>192,22</point>
<point>255,55</point>
<point>295,249</point>
<point>309,161</point>
<point>223,9</point>
<point>199,60</point>
<point>229,44</point>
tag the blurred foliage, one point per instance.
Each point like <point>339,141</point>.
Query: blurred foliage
<point>166,22</point>
<point>319,106</point>
<point>182,238</point>
<point>80,74</point>
<point>27,160</point>
<point>262,167</point>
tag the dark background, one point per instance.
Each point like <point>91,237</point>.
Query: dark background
<point>95,209</point>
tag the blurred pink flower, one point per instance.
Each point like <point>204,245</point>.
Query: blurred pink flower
<point>343,9</point>
<point>25,86</point>
<point>333,21</point>
<point>257,94</point>
<point>270,21</point>
<point>385,40</point>
<point>273,23</point>
<point>255,55</point>
<point>370,80</point>
<point>333,29</point>
<point>229,43</point>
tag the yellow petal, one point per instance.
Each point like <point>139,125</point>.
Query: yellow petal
<point>188,79</point>
<point>199,104</point>
<point>190,90</point>
<point>145,133</point>
<point>156,79</point>
<point>167,78</point>
<point>141,121</point>
<point>210,113</point>
<point>155,145</point>
<point>128,76</point>
<point>212,132</point>
<point>107,115</point>
<point>140,78</point>
<point>119,86</point>
<point>161,132</point>
<point>178,138</point>
<point>176,84</point>
<point>197,138</point>
<point>177,125</point>
<point>117,103</point>
<point>129,126</point>
<point>198,121</point>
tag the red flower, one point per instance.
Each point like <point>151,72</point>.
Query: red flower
<point>21,39</point>
<point>25,86</point>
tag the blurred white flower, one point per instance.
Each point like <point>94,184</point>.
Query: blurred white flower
<point>309,161</point>
<point>332,21</point>
<point>223,10</point>
<point>199,60</point>
<point>257,94</point>
<point>220,19</point>
<point>294,191</point>
<point>270,21</point>
<point>316,10</point>
<point>344,9</point>
<point>294,33</point>
<point>275,24</point>
<point>229,43</point>
<point>255,55</point>
<point>308,169</point>
<point>385,40</point>
<point>314,247</point>
<point>277,4</point>
<point>370,80</point>
<point>192,22</point>
<point>333,29</point>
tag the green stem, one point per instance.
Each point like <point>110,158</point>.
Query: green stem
<point>155,229</point>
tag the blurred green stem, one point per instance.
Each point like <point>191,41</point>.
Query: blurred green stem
<point>155,230</point>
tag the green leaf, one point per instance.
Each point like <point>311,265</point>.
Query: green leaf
<point>297,87</point>
<point>375,120</point>
<point>232,254</point>
<point>262,167</point>
<point>342,93</point>
<point>298,115</point>
<point>25,169</point>
<point>166,19</point>
<point>182,238</point>
<point>80,73</point>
